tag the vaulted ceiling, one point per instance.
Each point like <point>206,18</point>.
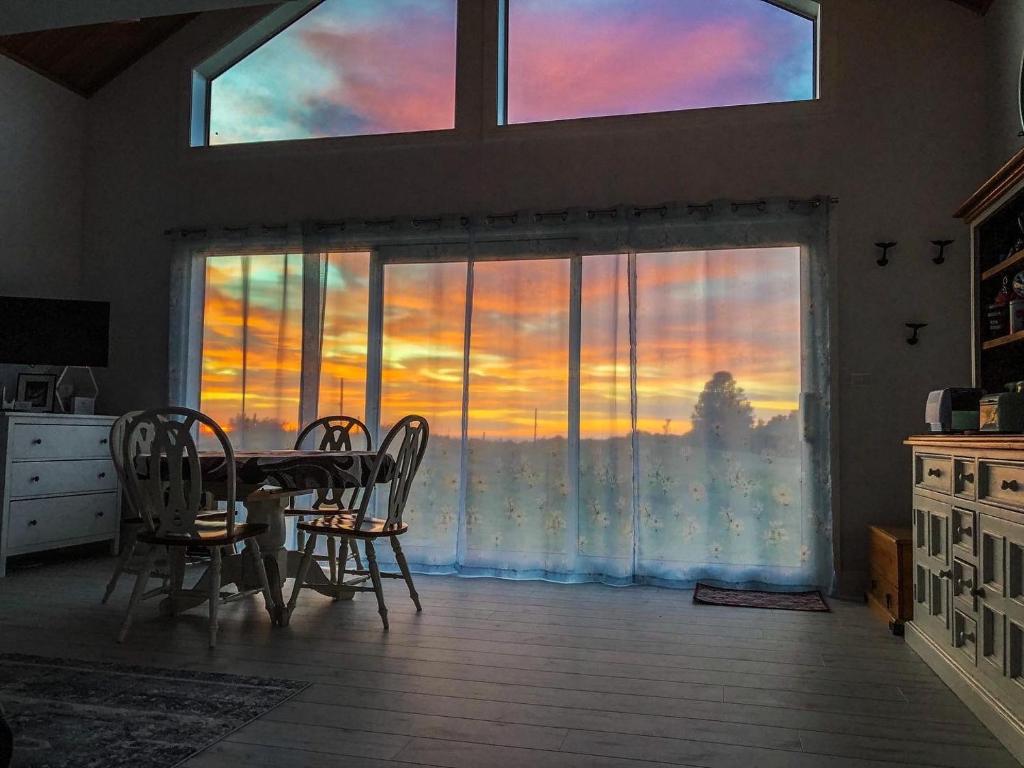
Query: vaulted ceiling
<point>86,57</point>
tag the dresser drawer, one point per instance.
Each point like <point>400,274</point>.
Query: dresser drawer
<point>35,522</point>
<point>965,637</point>
<point>964,583</point>
<point>965,476</point>
<point>59,441</point>
<point>964,531</point>
<point>41,478</point>
<point>1001,483</point>
<point>933,472</point>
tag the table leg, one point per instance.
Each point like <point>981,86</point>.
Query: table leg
<point>268,509</point>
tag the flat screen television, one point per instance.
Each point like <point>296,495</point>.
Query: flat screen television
<point>54,331</point>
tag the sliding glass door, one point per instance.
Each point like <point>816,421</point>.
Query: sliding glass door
<point>628,416</point>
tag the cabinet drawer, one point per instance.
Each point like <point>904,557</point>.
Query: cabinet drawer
<point>965,478</point>
<point>933,472</point>
<point>39,478</point>
<point>965,636</point>
<point>1001,483</point>
<point>965,581</point>
<point>35,522</point>
<point>59,441</point>
<point>964,531</point>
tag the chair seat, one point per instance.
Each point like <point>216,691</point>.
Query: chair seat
<point>344,524</point>
<point>211,537</point>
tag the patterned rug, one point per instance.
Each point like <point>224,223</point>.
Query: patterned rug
<point>85,714</point>
<point>757,598</point>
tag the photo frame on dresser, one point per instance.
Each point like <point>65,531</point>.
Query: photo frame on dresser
<point>36,392</point>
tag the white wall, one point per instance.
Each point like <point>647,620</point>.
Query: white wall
<point>42,138</point>
<point>896,137</point>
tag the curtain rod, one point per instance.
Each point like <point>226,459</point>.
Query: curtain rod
<point>509,219</point>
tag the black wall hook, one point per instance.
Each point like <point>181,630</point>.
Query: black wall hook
<point>884,258</point>
<point>915,327</point>
<point>941,245</point>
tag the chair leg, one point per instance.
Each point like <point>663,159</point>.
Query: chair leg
<point>127,552</point>
<point>371,560</point>
<point>406,574</point>
<point>300,577</point>
<point>355,554</point>
<point>332,558</point>
<point>215,560</point>
<point>253,548</point>
<point>140,588</point>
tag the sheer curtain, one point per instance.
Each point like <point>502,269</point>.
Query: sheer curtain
<point>608,406</point>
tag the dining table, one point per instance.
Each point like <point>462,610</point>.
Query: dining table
<point>266,482</point>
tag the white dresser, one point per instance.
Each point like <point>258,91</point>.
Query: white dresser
<point>968,523</point>
<point>58,484</point>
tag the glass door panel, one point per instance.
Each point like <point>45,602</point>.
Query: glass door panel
<point>422,367</point>
<point>346,293</point>
<point>718,384</point>
<point>517,484</point>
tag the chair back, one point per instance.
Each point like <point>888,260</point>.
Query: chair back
<point>163,471</point>
<point>335,433</point>
<point>408,439</point>
<point>116,443</point>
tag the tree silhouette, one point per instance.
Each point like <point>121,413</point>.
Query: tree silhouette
<point>723,414</point>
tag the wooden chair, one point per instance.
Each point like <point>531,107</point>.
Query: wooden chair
<point>332,433</point>
<point>165,484</point>
<point>410,434</point>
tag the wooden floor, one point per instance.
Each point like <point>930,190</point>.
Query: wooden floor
<point>498,673</point>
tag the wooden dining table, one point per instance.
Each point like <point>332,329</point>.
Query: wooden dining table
<point>266,482</point>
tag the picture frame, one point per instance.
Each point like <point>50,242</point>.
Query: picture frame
<point>37,391</point>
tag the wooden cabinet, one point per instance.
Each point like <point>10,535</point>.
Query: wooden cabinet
<point>58,485</point>
<point>890,594</point>
<point>968,574</point>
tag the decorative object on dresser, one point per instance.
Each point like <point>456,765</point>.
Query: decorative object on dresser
<point>890,556</point>
<point>968,583</point>
<point>36,390</point>
<point>58,486</point>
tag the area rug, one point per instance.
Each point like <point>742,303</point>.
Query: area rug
<point>758,598</point>
<point>85,714</point>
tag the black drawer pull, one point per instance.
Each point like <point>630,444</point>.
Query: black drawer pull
<point>934,472</point>
<point>966,477</point>
<point>945,574</point>
<point>34,479</point>
<point>965,636</point>
<point>101,475</point>
<point>99,514</point>
<point>103,441</point>
<point>978,592</point>
<point>967,530</point>
<point>37,441</point>
<point>32,523</point>
<point>1009,485</point>
<point>965,583</point>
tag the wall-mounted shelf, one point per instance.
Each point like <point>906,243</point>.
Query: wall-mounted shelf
<point>1016,259</point>
<point>1003,340</point>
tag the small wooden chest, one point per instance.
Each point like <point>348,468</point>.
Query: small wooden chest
<point>891,563</point>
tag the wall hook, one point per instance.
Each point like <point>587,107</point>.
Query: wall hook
<point>941,245</point>
<point>884,258</point>
<point>915,327</point>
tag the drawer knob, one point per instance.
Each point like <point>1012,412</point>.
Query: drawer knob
<point>934,472</point>
<point>966,637</point>
<point>978,592</point>
<point>33,523</point>
<point>965,583</point>
<point>103,441</point>
<point>99,514</point>
<point>1009,485</point>
<point>101,475</point>
<point>945,574</point>
<point>966,477</point>
<point>967,530</point>
<point>37,441</point>
<point>34,479</point>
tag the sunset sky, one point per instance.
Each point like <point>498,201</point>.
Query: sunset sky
<point>351,67</point>
<point>698,312</point>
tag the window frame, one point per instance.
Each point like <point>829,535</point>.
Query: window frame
<point>807,9</point>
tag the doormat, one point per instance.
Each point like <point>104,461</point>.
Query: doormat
<point>86,714</point>
<point>705,594</point>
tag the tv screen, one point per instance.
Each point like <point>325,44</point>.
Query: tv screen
<point>53,331</point>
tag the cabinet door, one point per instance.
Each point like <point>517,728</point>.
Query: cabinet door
<point>932,569</point>
<point>1001,617</point>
